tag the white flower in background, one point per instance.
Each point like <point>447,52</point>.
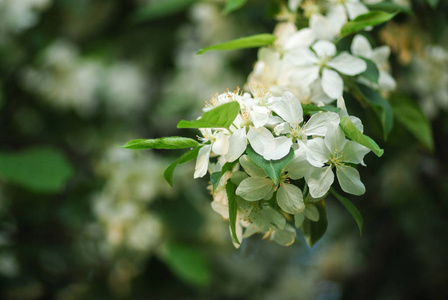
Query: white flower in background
<point>334,151</point>
<point>380,56</point>
<point>352,8</point>
<point>329,26</point>
<point>322,63</point>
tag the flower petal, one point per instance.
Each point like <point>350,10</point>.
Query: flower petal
<point>348,64</point>
<point>255,188</point>
<point>299,165</point>
<point>300,39</point>
<point>221,144</point>
<point>386,82</point>
<point>319,181</point>
<point>317,153</point>
<point>259,115</point>
<point>300,57</point>
<point>332,83</point>
<point>290,198</point>
<point>354,153</point>
<point>288,107</point>
<point>237,145</point>
<point>304,75</point>
<point>361,46</point>
<point>324,48</point>
<point>380,55</point>
<point>251,168</point>
<point>202,161</point>
<point>335,139</point>
<point>350,181</point>
<point>317,124</point>
<point>355,9</point>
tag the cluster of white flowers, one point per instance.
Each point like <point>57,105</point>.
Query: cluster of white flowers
<point>67,80</point>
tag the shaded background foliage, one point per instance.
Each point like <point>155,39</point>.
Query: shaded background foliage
<point>83,219</point>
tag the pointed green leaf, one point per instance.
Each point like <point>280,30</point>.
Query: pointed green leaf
<point>189,263</point>
<point>220,117</point>
<point>190,155</point>
<point>232,5</point>
<point>351,209</point>
<point>371,73</point>
<point>274,168</point>
<point>354,134</point>
<point>216,176</point>
<point>253,41</point>
<point>368,19</point>
<point>313,231</point>
<point>389,7</point>
<point>381,107</point>
<point>172,142</point>
<point>40,169</point>
<point>233,208</point>
<point>409,115</point>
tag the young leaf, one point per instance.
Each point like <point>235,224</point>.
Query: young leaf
<point>232,5</point>
<point>381,107</point>
<point>214,179</point>
<point>368,19</point>
<point>190,155</point>
<point>40,169</point>
<point>371,73</point>
<point>390,7</point>
<point>189,263</point>
<point>351,209</point>
<point>233,208</point>
<point>274,168</point>
<point>354,134</point>
<point>252,41</point>
<point>220,117</point>
<point>313,231</point>
<point>311,108</point>
<point>411,117</point>
<point>160,9</point>
<point>172,142</point>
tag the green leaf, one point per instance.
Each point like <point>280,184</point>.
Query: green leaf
<point>390,7</point>
<point>354,134</point>
<point>190,155</point>
<point>371,73</point>
<point>214,179</point>
<point>189,263</point>
<point>309,109</point>
<point>233,208</point>
<point>41,169</point>
<point>381,107</point>
<point>159,9</point>
<point>172,142</point>
<point>219,117</point>
<point>408,114</point>
<point>274,168</point>
<point>232,5</point>
<point>369,19</point>
<point>351,209</point>
<point>313,231</point>
<point>432,3</point>
<point>253,41</point>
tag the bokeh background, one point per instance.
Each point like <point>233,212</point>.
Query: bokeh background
<point>81,218</point>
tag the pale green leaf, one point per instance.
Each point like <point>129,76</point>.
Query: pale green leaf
<point>274,168</point>
<point>351,208</point>
<point>290,198</point>
<point>354,134</point>
<point>371,73</point>
<point>390,7</point>
<point>255,188</point>
<point>232,5</point>
<point>220,117</point>
<point>172,142</point>
<point>41,169</point>
<point>190,155</point>
<point>254,41</point>
<point>284,237</point>
<point>411,117</point>
<point>313,231</point>
<point>368,19</point>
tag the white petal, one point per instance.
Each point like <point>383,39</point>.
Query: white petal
<point>282,146</point>
<point>251,168</point>
<point>301,39</point>
<point>300,57</point>
<point>386,81</point>
<point>357,122</point>
<point>290,198</point>
<point>317,153</point>
<point>380,55</point>
<point>288,108</point>
<point>322,27</point>
<point>282,128</point>
<point>284,237</point>
<point>264,143</point>
<point>337,16</point>
<point>221,209</point>
<point>259,115</point>
<point>350,181</point>
<point>317,124</point>
<point>237,145</point>
<point>335,139</point>
<point>255,188</point>
<point>348,64</point>
<point>317,93</point>
<point>259,139</point>
<point>332,83</point>
<point>311,212</point>
<point>202,161</point>
<point>319,181</point>
<point>299,166</point>
<point>341,105</point>
<point>221,144</point>
<point>324,48</point>
<point>361,46</point>
<point>304,75</point>
<point>354,153</point>
<point>355,9</point>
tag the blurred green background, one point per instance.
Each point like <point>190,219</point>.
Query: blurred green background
<point>81,218</point>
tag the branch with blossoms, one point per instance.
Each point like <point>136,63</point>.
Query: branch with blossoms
<point>274,154</point>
